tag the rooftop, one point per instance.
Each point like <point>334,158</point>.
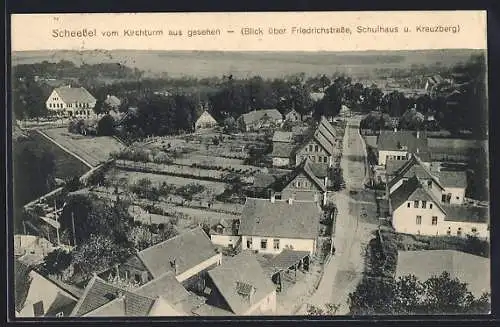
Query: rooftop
<point>97,294</point>
<point>465,213</point>
<point>282,150</point>
<point>243,269</point>
<point>298,219</point>
<point>75,94</point>
<point>187,249</point>
<point>453,178</point>
<point>400,140</point>
<point>411,190</point>
<point>413,167</point>
<point>466,267</point>
<point>281,136</point>
<point>256,115</point>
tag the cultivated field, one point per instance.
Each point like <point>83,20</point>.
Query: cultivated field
<point>93,150</point>
<point>243,64</point>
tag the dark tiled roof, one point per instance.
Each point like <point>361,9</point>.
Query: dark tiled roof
<point>324,122</point>
<point>62,304</point>
<point>22,283</point>
<point>97,294</point>
<point>137,305</point>
<point>282,150</point>
<point>261,217</point>
<point>256,115</point>
<point>188,249</point>
<point>453,178</point>
<point>243,268</point>
<point>389,140</point>
<point>165,286</point>
<point>280,136</point>
<point>263,180</point>
<point>75,94</point>
<point>318,169</point>
<point>411,190</point>
<point>392,166</point>
<point>464,213</point>
<point>287,258</point>
<point>413,167</point>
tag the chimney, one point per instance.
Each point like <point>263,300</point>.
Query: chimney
<point>326,180</point>
<point>418,134</point>
<point>290,201</point>
<point>273,198</point>
<point>395,129</point>
<point>418,150</point>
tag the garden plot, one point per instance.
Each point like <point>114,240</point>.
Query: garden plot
<point>207,160</point>
<point>133,177</point>
<point>91,149</point>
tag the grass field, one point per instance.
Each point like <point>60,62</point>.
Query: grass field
<point>92,149</point>
<point>243,64</point>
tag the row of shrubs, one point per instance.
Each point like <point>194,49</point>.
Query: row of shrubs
<point>247,171</point>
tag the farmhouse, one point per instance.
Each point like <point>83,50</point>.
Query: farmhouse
<point>270,226</point>
<point>188,255</point>
<point>71,102</point>
<point>303,183</point>
<point>416,210</point>
<point>449,186</point>
<point>205,121</point>
<point>163,296</point>
<point>239,287</point>
<point>281,154</point>
<point>317,148</point>
<point>263,118</point>
<point>47,297</point>
<point>398,145</point>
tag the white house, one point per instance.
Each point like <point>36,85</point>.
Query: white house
<point>399,145</point>
<point>239,287</point>
<point>47,298</point>
<point>447,186</point>
<point>225,233</point>
<point>205,121</point>
<point>271,225</point>
<point>70,101</point>
<point>415,210</point>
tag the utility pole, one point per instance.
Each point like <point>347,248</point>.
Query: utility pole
<point>57,221</point>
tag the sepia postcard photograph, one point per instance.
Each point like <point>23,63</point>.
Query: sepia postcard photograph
<point>249,164</point>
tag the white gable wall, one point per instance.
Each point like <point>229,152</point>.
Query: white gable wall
<point>404,219</point>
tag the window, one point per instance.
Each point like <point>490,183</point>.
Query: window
<point>459,231</point>
<point>276,244</point>
<point>415,204</point>
<point>443,198</point>
<point>430,205</point>
<point>316,148</point>
<point>310,147</point>
<point>60,314</point>
<point>409,204</point>
<point>263,243</point>
<point>137,278</point>
<point>474,229</point>
<point>313,158</point>
<point>429,183</point>
<point>458,198</point>
<point>249,243</point>
<point>424,204</point>
<point>434,220</point>
<point>38,309</point>
<point>419,220</point>
<point>448,232</point>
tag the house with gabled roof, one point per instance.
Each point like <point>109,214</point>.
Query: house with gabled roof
<point>163,296</point>
<point>262,118</point>
<point>448,186</point>
<point>399,145</point>
<point>205,121</point>
<point>304,184</point>
<point>239,287</point>
<point>48,297</point>
<point>416,210</point>
<point>271,225</point>
<point>188,255</point>
<point>70,101</point>
<point>113,102</point>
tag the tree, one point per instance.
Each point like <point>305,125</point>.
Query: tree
<point>105,126</point>
<point>412,120</point>
<point>230,125</point>
<point>56,262</point>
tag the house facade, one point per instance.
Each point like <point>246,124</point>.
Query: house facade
<point>319,147</point>
<point>416,211</point>
<point>71,102</point>
<point>205,121</point>
<point>281,154</point>
<point>225,233</point>
<point>270,226</point>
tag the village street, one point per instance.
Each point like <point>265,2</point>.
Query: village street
<point>344,270</point>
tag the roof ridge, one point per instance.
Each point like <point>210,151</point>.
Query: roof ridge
<point>84,295</point>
